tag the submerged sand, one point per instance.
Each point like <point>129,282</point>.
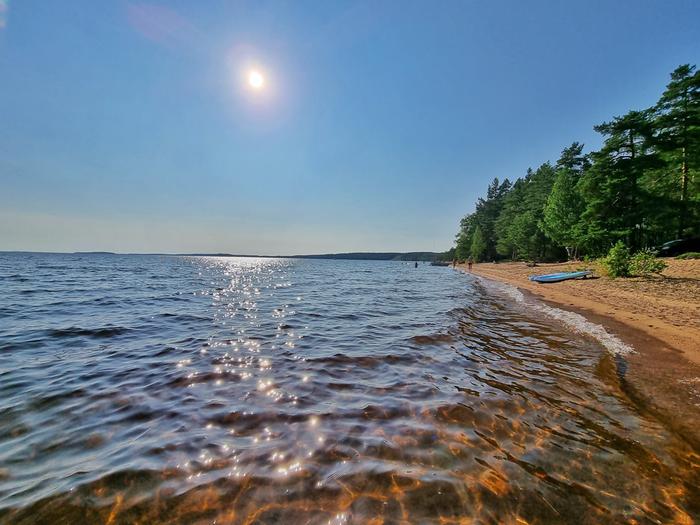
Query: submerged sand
<point>658,316</point>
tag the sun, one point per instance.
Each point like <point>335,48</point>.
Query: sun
<point>256,80</point>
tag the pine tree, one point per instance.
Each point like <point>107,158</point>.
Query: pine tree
<point>488,211</point>
<point>526,235</point>
<point>641,188</point>
<point>677,136</point>
<point>615,200</point>
<point>537,191</point>
<point>518,227</point>
<point>512,207</point>
<point>562,213</point>
<point>574,160</point>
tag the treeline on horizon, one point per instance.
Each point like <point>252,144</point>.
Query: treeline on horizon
<point>376,256</point>
<point>641,188</point>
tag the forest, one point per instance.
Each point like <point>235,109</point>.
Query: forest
<point>642,188</point>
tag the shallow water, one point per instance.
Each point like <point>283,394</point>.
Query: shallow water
<point>148,389</point>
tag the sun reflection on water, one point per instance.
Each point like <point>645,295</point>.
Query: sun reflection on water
<point>283,391</point>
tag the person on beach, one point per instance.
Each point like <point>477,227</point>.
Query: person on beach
<point>469,264</point>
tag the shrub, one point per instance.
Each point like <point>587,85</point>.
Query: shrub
<point>645,262</point>
<point>689,255</point>
<point>617,262</point>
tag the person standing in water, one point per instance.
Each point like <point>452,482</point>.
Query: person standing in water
<point>469,264</point>
<point>416,265</point>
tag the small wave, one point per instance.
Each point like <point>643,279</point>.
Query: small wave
<point>35,291</point>
<point>363,360</point>
<point>181,317</point>
<point>432,339</point>
<point>464,406</point>
<point>571,320</point>
<point>22,345</point>
<point>98,333</point>
<point>247,423</point>
<point>16,277</point>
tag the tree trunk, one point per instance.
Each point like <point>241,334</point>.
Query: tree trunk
<point>684,196</point>
<point>634,241</point>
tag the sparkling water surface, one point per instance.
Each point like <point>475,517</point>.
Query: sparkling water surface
<point>158,389</point>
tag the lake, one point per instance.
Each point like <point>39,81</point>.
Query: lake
<point>162,389</point>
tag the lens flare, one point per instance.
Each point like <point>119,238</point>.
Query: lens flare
<point>4,7</point>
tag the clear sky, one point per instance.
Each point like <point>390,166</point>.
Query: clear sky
<point>129,126</point>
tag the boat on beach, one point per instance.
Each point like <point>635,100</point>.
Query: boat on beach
<point>562,276</point>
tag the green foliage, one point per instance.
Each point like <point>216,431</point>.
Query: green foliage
<point>677,137</point>
<point>615,199</point>
<point>487,212</point>
<point>478,247</point>
<point>447,256</point>
<point>525,235</point>
<point>505,231</point>
<point>641,188</point>
<point>464,237</point>
<point>574,160</point>
<point>519,228</point>
<point>562,212</point>
<point>645,262</point>
<point>689,255</point>
<point>617,262</point>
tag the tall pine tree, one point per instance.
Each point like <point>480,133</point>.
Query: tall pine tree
<point>562,213</point>
<point>677,136</point>
<point>616,204</point>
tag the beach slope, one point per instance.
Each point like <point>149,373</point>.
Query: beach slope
<point>658,316</point>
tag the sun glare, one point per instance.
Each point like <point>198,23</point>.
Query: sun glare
<point>256,80</point>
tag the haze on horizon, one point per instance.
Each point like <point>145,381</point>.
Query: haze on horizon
<point>276,128</point>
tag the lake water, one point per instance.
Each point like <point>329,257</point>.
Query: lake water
<point>155,389</point>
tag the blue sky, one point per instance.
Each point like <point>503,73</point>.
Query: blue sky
<point>127,126</point>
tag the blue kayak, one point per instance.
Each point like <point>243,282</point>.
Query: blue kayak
<point>556,277</point>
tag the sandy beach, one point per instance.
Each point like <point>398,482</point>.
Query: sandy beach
<point>658,316</point>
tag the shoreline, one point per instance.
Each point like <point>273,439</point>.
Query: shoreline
<point>662,375</point>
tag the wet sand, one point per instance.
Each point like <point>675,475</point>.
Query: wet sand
<point>658,316</point>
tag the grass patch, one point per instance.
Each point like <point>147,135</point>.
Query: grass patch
<point>689,255</point>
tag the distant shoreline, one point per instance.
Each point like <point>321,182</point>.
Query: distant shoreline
<point>349,256</point>
<point>659,318</point>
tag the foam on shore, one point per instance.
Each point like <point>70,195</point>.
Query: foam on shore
<point>572,320</point>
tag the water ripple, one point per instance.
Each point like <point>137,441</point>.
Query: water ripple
<point>171,389</point>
